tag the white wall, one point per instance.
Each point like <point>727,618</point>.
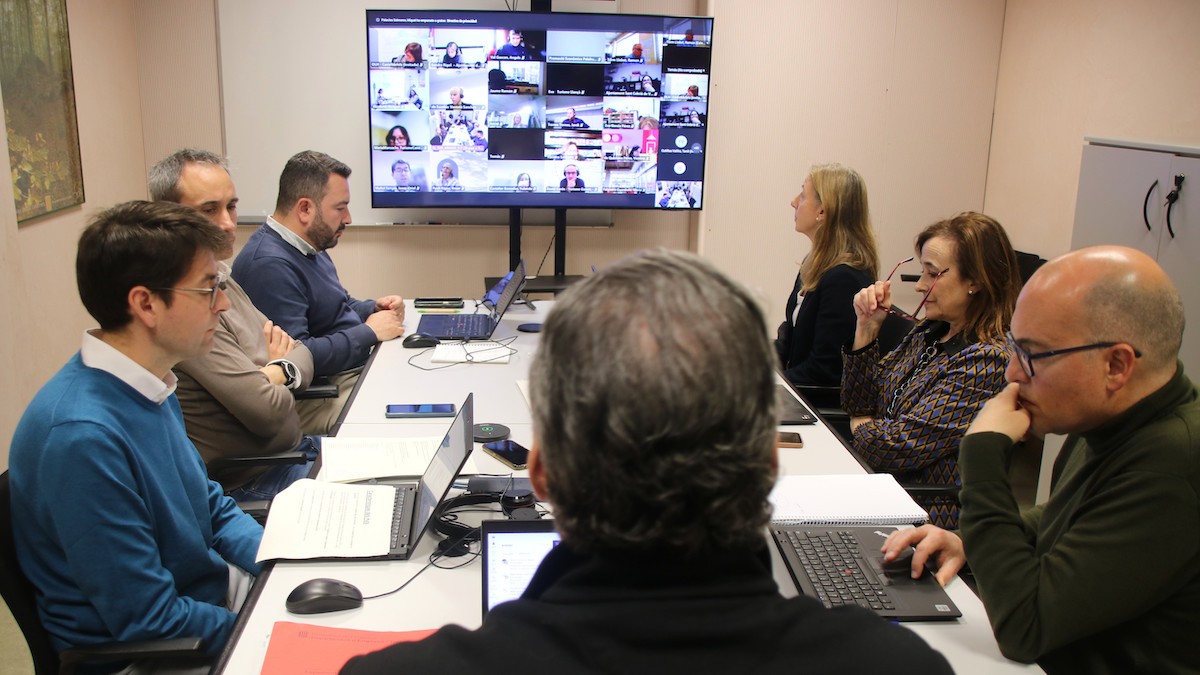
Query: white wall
<point>1074,68</point>
<point>900,90</point>
<point>44,318</point>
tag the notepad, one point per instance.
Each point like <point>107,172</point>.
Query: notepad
<point>858,499</point>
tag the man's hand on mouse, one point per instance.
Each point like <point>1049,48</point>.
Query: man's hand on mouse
<point>944,548</point>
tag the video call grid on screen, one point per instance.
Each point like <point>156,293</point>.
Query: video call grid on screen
<point>502,109</point>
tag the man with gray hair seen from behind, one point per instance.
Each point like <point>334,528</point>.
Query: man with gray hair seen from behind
<point>237,399</point>
<point>1105,576</point>
<point>655,444</point>
<point>287,272</point>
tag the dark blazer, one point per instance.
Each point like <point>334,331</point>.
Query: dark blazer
<point>811,350</point>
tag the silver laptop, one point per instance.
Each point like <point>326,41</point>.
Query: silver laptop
<point>475,326</point>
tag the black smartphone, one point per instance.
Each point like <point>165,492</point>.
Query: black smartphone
<point>790,439</point>
<point>409,410</point>
<point>511,453</point>
<point>438,303</point>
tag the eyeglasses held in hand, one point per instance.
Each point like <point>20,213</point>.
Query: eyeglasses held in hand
<point>901,313</point>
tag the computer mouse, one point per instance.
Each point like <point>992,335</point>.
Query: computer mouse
<point>419,340</point>
<point>316,596</point>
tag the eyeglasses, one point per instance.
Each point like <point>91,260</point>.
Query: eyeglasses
<point>221,284</point>
<point>1026,359</point>
<point>901,313</point>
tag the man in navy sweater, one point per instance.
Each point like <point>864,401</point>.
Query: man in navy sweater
<point>285,270</point>
<point>116,522</point>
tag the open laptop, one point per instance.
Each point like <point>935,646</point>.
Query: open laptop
<point>416,501</point>
<point>512,551</point>
<point>475,326</point>
<point>791,409</point>
<point>841,565</point>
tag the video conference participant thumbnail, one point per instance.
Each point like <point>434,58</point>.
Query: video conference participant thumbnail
<point>516,112</point>
<point>575,79</point>
<point>520,44</point>
<point>516,144</point>
<point>516,77</point>
<point>633,79</point>
<point>519,176</point>
<point>684,113</point>
<point>574,112</point>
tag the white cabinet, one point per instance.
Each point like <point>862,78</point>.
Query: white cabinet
<point>1116,179</point>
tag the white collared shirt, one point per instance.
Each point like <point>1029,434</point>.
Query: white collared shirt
<point>98,354</point>
<point>292,238</point>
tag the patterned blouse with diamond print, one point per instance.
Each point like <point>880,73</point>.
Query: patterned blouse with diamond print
<point>922,402</point>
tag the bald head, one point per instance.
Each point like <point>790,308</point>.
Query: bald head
<point>1115,294</point>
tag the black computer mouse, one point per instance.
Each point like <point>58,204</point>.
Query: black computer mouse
<point>419,340</point>
<point>316,596</point>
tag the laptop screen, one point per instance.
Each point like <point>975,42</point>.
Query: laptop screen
<point>445,465</point>
<point>512,551</point>
<point>510,291</point>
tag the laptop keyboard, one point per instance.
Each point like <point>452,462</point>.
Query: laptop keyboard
<point>463,325</point>
<point>837,570</point>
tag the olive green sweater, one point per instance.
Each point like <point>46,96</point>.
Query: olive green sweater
<point>1105,576</point>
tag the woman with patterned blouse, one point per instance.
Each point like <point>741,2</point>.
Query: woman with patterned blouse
<point>910,408</point>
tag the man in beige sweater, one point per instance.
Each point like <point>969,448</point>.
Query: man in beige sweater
<point>237,400</point>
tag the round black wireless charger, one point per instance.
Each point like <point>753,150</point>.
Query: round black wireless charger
<point>487,433</point>
<point>530,328</point>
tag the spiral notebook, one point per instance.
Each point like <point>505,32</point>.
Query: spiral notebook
<point>850,499</point>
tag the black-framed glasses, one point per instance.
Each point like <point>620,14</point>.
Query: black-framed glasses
<point>221,283</point>
<point>899,312</point>
<point>1026,359</point>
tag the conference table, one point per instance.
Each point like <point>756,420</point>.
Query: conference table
<point>441,596</point>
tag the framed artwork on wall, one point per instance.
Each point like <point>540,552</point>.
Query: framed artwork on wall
<point>39,107</point>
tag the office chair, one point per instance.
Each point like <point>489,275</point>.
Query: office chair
<point>19,595</point>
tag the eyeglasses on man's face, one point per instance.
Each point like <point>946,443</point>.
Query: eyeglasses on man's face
<point>218,285</point>
<point>901,313</point>
<point>1026,358</point>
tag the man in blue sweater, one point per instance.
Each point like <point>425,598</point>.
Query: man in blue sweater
<point>288,275</point>
<point>116,522</point>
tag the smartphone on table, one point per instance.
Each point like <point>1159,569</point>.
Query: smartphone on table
<point>510,452</point>
<point>789,439</point>
<point>438,303</point>
<point>419,410</point>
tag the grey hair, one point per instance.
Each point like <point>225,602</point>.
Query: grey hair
<point>306,174</point>
<point>163,178</point>
<point>1121,308</point>
<point>653,397</point>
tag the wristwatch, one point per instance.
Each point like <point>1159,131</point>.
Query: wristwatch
<point>291,374</point>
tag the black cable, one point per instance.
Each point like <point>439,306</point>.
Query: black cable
<point>545,255</point>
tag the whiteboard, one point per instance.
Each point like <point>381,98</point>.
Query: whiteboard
<point>294,77</point>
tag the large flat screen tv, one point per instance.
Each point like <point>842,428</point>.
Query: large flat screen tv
<point>532,110</point>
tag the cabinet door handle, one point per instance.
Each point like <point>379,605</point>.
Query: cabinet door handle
<point>1172,197</point>
<point>1146,202</point>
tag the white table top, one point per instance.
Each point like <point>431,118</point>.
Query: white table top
<point>441,596</point>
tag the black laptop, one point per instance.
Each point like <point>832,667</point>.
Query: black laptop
<point>841,565</point>
<point>791,409</point>
<point>475,326</point>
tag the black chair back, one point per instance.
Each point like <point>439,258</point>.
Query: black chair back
<point>19,594</point>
